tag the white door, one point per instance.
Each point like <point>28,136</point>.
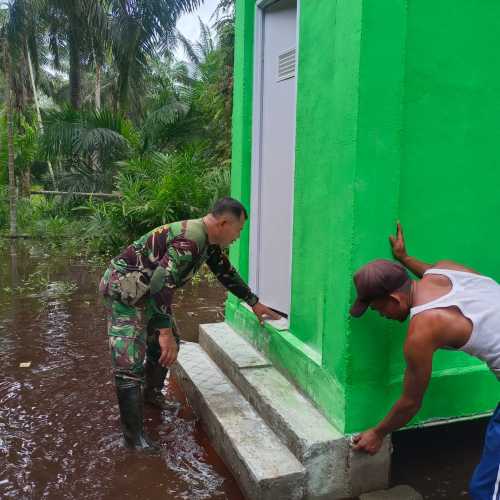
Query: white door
<point>274,154</point>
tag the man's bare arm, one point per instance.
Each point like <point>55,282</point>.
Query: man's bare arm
<point>418,354</point>
<point>417,267</point>
<point>419,350</point>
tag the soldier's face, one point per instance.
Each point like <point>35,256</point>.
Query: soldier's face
<point>230,229</point>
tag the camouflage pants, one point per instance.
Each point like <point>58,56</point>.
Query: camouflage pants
<point>132,339</point>
<point>132,330</point>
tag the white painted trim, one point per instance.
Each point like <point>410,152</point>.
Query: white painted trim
<point>256,148</point>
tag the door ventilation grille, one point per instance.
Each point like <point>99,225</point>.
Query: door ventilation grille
<point>286,65</point>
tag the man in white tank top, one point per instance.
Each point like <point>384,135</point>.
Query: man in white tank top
<point>451,306</point>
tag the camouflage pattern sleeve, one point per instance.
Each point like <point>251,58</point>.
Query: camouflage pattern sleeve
<point>219,264</point>
<point>168,276</point>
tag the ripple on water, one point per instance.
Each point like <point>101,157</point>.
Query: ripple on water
<point>187,458</point>
<point>59,427</point>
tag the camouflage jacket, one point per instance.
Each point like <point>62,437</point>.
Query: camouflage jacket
<point>167,257</point>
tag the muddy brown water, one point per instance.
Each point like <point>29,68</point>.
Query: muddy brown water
<point>59,428</point>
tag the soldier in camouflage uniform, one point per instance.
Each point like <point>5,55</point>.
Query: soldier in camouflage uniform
<point>139,286</point>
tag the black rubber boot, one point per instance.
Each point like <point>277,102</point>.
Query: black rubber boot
<point>131,403</point>
<point>155,375</point>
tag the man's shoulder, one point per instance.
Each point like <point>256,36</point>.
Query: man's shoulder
<point>192,230</point>
<point>431,327</point>
<point>453,266</point>
<point>430,318</point>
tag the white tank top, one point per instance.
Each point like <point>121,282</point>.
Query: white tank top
<point>478,298</point>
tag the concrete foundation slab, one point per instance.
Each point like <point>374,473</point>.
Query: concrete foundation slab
<point>263,466</point>
<point>369,473</point>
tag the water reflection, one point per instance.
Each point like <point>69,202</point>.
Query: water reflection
<point>59,430</point>
<point>13,264</point>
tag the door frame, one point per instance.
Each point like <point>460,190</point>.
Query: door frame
<point>256,163</point>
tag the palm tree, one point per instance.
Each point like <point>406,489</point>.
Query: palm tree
<point>69,25</point>
<point>99,34</point>
<point>26,34</point>
<point>166,102</point>
<point>212,61</point>
<point>224,7</point>
<point>8,49</point>
<point>199,51</point>
<point>142,30</point>
<point>74,15</point>
<point>74,138</point>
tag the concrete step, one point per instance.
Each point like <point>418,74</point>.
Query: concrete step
<point>293,418</point>
<point>264,468</point>
<point>333,470</point>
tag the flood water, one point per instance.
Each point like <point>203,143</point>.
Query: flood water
<point>59,426</point>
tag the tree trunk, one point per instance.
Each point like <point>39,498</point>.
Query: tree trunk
<point>123,89</point>
<point>97,86</point>
<point>24,89</point>
<point>95,155</point>
<point>10,144</point>
<point>37,107</point>
<point>74,63</point>
<point>26,183</point>
<point>124,71</point>
<point>33,87</point>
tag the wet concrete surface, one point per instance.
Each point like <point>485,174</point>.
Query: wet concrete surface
<point>59,427</point>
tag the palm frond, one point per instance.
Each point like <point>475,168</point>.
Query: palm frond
<point>189,49</point>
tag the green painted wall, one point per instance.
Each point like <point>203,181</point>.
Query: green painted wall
<point>398,113</point>
<point>242,123</point>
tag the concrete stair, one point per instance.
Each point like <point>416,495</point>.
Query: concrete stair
<point>305,431</point>
<point>263,467</point>
<point>274,440</point>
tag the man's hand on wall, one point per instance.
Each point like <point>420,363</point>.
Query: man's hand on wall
<point>263,312</point>
<point>398,244</point>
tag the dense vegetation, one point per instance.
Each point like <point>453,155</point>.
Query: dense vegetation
<point>92,99</point>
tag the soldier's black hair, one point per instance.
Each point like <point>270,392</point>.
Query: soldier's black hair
<point>229,205</point>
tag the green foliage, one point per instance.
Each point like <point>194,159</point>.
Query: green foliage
<point>156,189</point>
<point>26,143</point>
<point>161,187</point>
<point>70,133</point>
<point>4,207</point>
<point>142,30</point>
<point>86,144</point>
<point>4,175</point>
<point>166,151</point>
<point>212,86</point>
<point>167,102</point>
